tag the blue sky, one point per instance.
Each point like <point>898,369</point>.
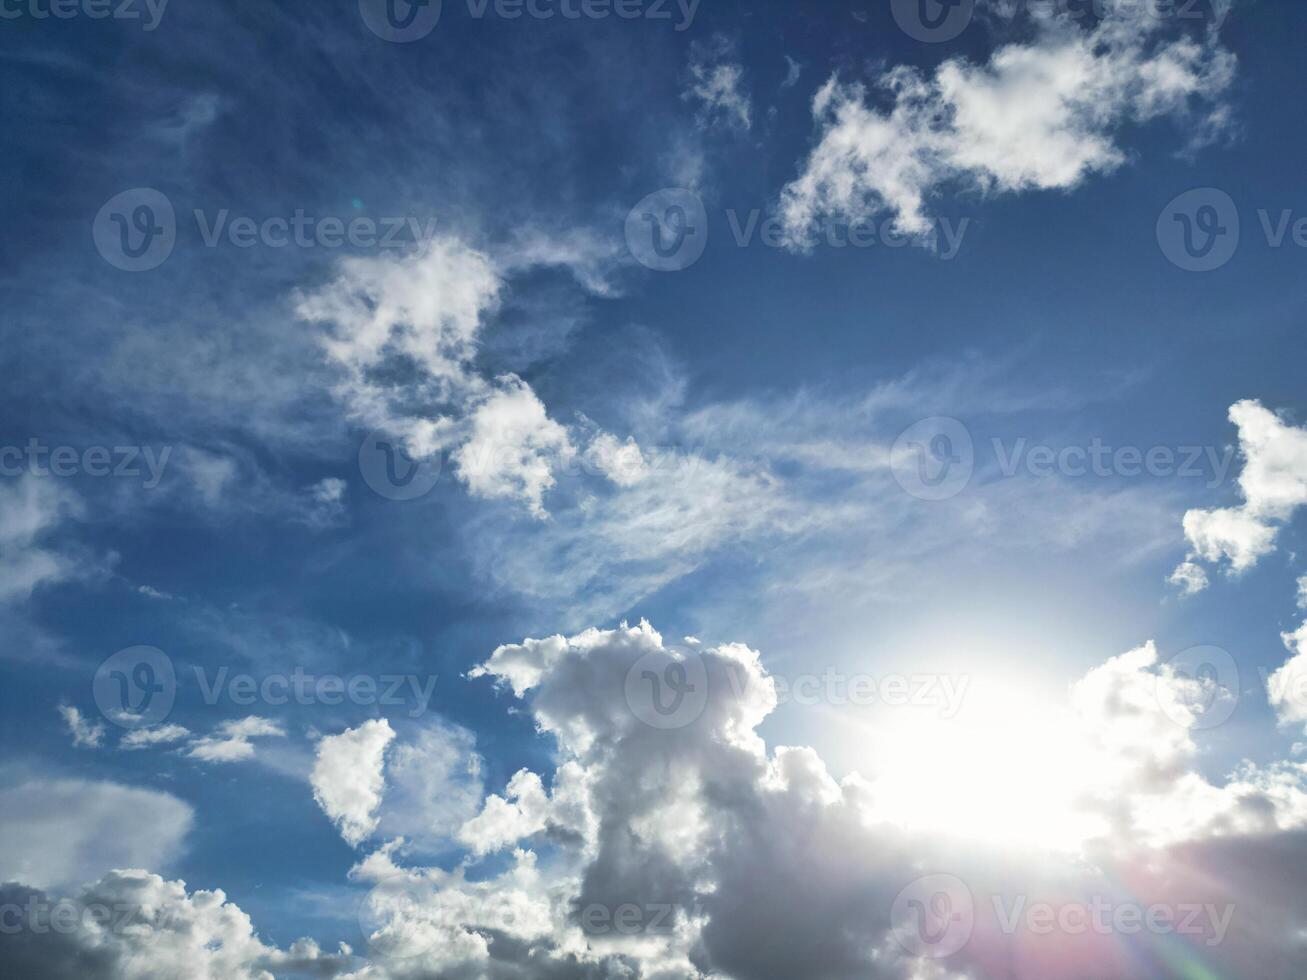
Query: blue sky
<point>739,445</point>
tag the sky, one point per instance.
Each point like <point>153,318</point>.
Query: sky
<point>653,489</point>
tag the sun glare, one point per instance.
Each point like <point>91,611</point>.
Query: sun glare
<point>1006,771</point>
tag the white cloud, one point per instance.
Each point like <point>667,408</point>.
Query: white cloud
<point>512,447</point>
<point>1273,484</point>
<point>716,83</point>
<point>230,741</point>
<point>505,820</point>
<point>85,734</point>
<point>404,332</point>
<point>347,777</point>
<point>141,738</point>
<point>1036,116</point>
<point>1190,578</point>
<point>432,785</point>
<point>61,831</point>
<point>151,929</point>
<point>1302,592</point>
<point>31,508</point>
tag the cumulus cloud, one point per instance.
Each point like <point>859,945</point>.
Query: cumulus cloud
<point>512,447</point>
<point>347,777</point>
<point>719,855</point>
<point>1273,484</point>
<point>64,831</point>
<point>230,741</point>
<point>134,925</point>
<point>84,733</point>
<point>1040,115</point>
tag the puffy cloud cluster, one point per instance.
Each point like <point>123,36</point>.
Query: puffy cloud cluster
<point>671,842</point>
<point>1273,484</point>
<point>1036,116</point>
<point>133,925</point>
<point>418,789</point>
<point>729,859</point>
